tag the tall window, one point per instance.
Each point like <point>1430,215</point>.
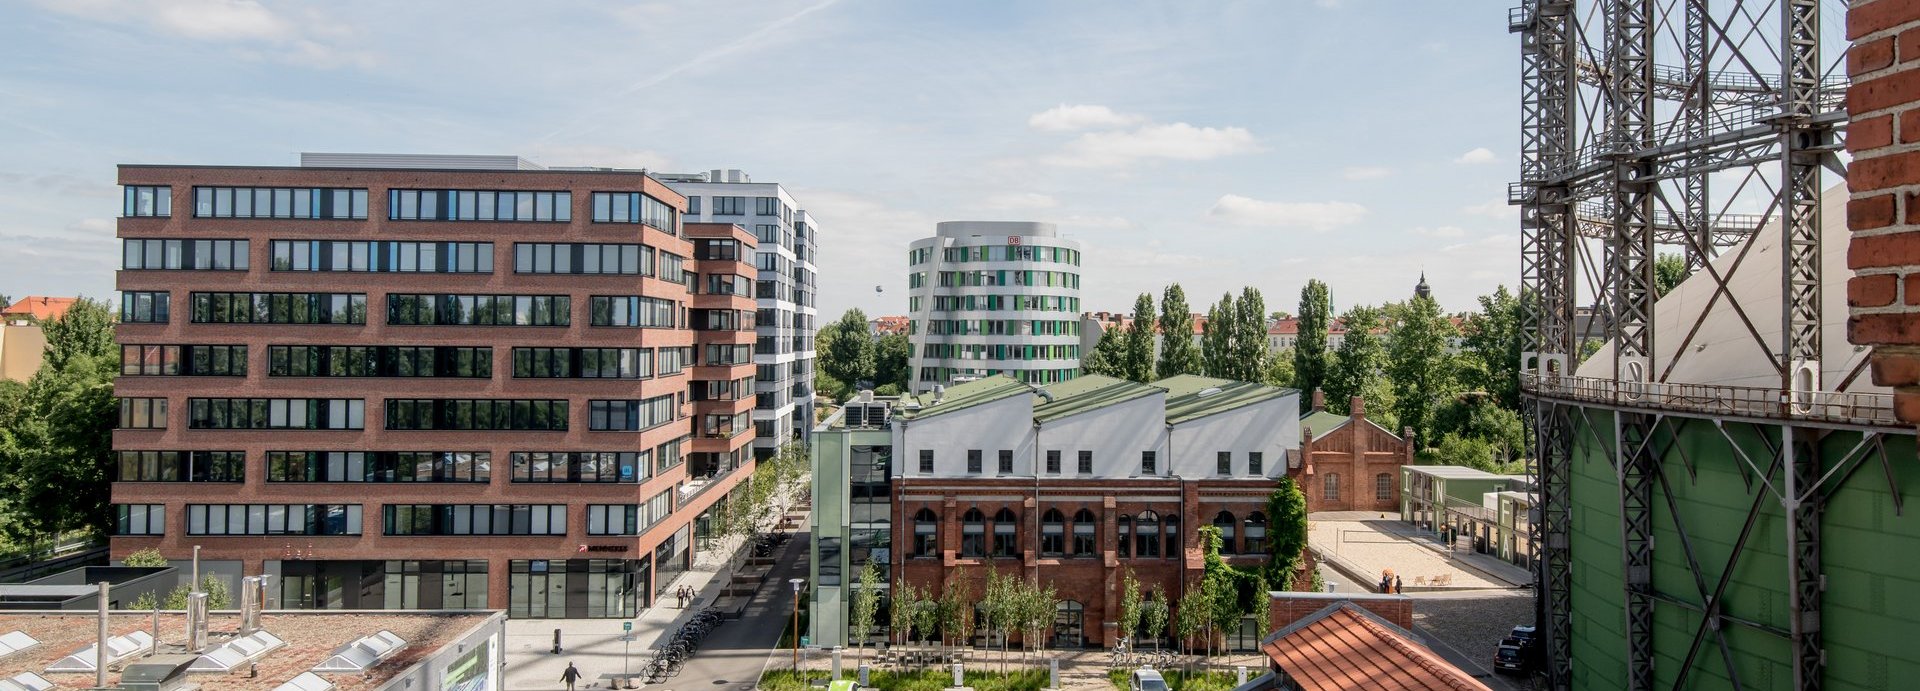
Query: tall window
<point>1146,535</point>
<point>973,460</point>
<point>1225,523</point>
<point>926,460</point>
<point>1006,542</point>
<point>1086,463</point>
<point>1223,463</point>
<point>1382,487</point>
<point>1006,461</point>
<point>1170,527</point>
<point>1148,465</point>
<point>1053,533</point>
<point>926,534</point>
<point>1123,535</point>
<point>1053,462</point>
<point>1254,463</point>
<point>1256,533</point>
<point>1330,487</point>
<point>1085,532</point>
<point>973,533</point>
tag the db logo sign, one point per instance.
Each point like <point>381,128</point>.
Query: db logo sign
<point>1013,239</point>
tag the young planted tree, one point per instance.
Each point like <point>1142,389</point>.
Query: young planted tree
<point>1178,354</point>
<point>956,610</point>
<point>1190,619</point>
<point>1129,609</point>
<point>1037,608</point>
<point>1153,616</point>
<point>900,615</point>
<point>997,606</point>
<point>1138,360</point>
<point>866,604</point>
<point>1310,356</point>
<point>926,615</point>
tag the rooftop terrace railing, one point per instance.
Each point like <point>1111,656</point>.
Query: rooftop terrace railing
<point>1734,401</point>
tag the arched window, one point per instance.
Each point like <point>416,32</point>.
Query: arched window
<point>1053,533</point>
<point>1255,533</point>
<point>1085,534</point>
<point>1383,487</point>
<point>1146,533</point>
<point>926,534</point>
<point>1005,542</point>
<point>1175,541</point>
<point>1226,523</point>
<point>973,533</point>
<point>1330,487</point>
<point>1124,535</point>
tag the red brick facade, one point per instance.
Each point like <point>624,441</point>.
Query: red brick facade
<point>1343,468</point>
<point>1094,581</point>
<point>1884,178</point>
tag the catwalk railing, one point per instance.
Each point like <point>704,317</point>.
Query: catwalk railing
<point>1731,401</point>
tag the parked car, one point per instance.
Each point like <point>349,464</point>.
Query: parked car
<point>1507,658</point>
<point>1147,680</point>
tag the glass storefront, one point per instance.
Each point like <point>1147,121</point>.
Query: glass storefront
<point>575,588</point>
<point>670,559</point>
<point>309,584</point>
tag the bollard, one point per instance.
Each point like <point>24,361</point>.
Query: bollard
<point>556,641</point>
<point>1240,673</point>
<point>1053,673</point>
<point>836,662</point>
<point>863,675</point>
<point>959,677</point>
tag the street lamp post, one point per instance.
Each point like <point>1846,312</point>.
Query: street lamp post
<point>796,622</point>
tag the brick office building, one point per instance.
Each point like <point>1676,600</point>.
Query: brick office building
<point>1349,462</point>
<point>427,381</point>
<point>1070,484</point>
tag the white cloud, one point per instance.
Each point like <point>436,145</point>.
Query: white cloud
<point>1498,208</point>
<point>1476,156</point>
<point>1440,232</point>
<point>1318,217</point>
<point>248,23</point>
<point>1177,141</point>
<point>1020,200</point>
<point>1365,172</point>
<point>1066,118</point>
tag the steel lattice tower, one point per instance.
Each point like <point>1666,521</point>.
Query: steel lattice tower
<point>1686,124</point>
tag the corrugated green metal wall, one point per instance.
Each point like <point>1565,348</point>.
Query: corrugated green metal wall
<point>1872,562</point>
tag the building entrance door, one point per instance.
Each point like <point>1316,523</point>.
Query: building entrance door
<point>1069,620</point>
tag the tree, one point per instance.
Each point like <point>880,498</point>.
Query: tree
<point>1250,336</point>
<point>893,362</point>
<point>1178,355</point>
<point>1668,271</point>
<point>218,597</point>
<point>848,354</point>
<point>998,604</point>
<point>1357,365</point>
<point>1137,363</point>
<point>1129,607</point>
<point>1107,355</point>
<point>1286,534</point>
<point>866,604</point>
<point>1037,609</point>
<point>145,558</point>
<point>900,615</point>
<point>1418,364</point>
<point>1280,370</point>
<point>1492,346</point>
<point>56,452</point>
<point>956,610</point>
<point>85,329</point>
<point>1310,356</point>
<point>1216,340</point>
<point>1153,616</point>
<point>1190,620</point>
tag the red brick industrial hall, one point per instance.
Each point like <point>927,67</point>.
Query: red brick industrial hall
<point>428,381</point>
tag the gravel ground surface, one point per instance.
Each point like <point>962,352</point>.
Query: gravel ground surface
<point>1471,624</point>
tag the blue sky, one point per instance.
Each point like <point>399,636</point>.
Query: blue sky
<point>1216,144</point>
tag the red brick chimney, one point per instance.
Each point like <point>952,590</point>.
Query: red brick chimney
<point>1357,408</point>
<point>1319,400</point>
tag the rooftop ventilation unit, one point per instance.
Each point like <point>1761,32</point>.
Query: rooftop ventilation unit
<point>866,415</point>
<point>307,681</point>
<point>15,641</point>
<point>157,673</point>
<point>362,655</point>
<point>1209,391</point>
<point>26,681</point>
<point>232,654</point>
<point>118,648</point>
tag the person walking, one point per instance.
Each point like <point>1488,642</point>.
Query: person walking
<point>1396,586</point>
<point>570,676</point>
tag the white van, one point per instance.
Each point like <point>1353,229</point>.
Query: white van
<point>1147,680</point>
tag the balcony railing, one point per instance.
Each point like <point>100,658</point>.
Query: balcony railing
<point>1739,401</point>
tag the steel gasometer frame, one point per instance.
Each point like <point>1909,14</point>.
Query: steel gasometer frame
<point>1621,154</point>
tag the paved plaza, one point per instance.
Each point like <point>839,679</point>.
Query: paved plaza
<point>1359,545</point>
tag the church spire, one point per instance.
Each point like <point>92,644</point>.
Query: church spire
<point>1421,289</point>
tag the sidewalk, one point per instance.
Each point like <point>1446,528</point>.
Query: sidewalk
<point>1360,545</point>
<point>597,646</point>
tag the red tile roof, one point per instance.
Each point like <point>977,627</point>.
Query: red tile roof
<point>889,325</point>
<point>1342,648</point>
<point>38,307</point>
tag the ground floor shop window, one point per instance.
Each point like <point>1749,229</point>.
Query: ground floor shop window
<point>422,584</point>
<point>575,588</point>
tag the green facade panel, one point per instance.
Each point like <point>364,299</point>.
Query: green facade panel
<point>1871,560</point>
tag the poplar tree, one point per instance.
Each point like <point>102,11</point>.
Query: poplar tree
<point>1106,355</point>
<point>1310,344</point>
<point>1178,355</point>
<point>1216,341</point>
<point>1138,363</point>
<point>1250,336</point>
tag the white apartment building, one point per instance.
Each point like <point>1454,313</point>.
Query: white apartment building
<point>994,297</point>
<point>787,319</point>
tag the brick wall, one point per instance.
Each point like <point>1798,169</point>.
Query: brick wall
<point>1288,608</point>
<point>1884,212</point>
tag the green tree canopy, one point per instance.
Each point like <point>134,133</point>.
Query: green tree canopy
<point>1106,356</point>
<point>1216,340</point>
<point>1286,534</point>
<point>85,329</point>
<point>1668,271</point>
<point>1357,367</point>
<point>1138,361</point>
<point>1250,336</point>
<point>1492,347</point>
<point>1418,365</point>
<point>1310,357</point>
<point>893,361</point>
<point>848,354</point>
<point>1178,354</point>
